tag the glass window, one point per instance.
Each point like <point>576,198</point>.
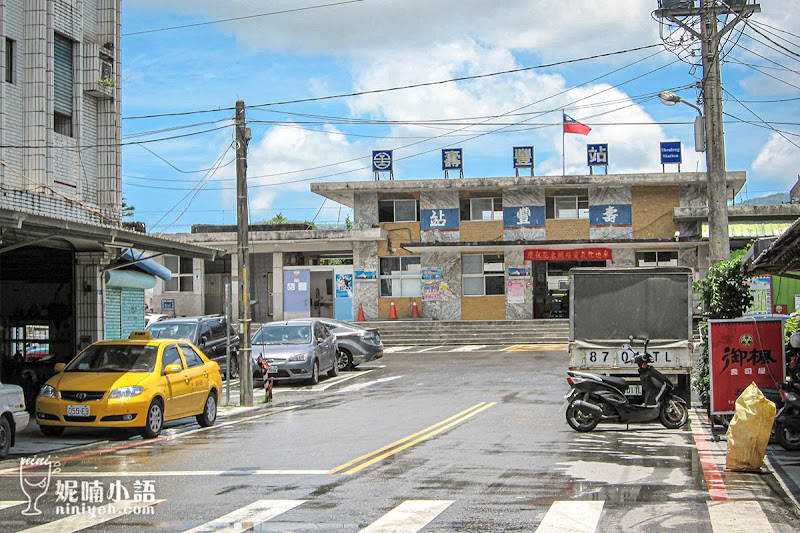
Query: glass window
<point>566,204</point>
<point>182,274</point>
<point>401,276</point>
<point>657,258</point>
<point>218,330</point>
<point>191,357</point>
<point>115,358</point>
<point>481,209</point>
<point>10,63</point>
<point>483,275</point>
<point>170,357</point>
<point>398,211</point>
<point>283,334</point>
<point>63,84</point>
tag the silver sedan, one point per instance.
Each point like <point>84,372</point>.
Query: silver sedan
<point>356,344</point>
<point>297,350</point>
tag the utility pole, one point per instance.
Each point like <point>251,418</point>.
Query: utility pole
<point>710,36</point>
<point>243,135</point>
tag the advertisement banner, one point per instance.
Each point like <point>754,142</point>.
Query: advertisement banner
<point>515,288</point>
<point>431,291</point>
<point>743,351</point>
<point>575,254</point>
<point>432,273</point>
<point>344,285</point>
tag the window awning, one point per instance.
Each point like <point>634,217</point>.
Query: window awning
<point>150,266</point>
<point>744,230</point>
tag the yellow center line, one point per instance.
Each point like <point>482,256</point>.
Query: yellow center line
<point>411,440</point>
<point>405,439</point>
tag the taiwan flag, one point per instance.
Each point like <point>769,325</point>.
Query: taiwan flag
<point>573,126</point>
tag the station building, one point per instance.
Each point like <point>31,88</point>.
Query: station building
<point>464,249</point>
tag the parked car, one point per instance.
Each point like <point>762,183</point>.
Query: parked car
<point>297,350</point>
<point>209,333</point>
<point>13,416</point>
<point>149,318</point>
<point>356,344</point>
<point>136,383</point>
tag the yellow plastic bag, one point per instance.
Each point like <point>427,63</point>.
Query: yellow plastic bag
<point>748,432</point>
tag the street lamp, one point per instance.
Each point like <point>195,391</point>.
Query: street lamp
<point>670,99</point>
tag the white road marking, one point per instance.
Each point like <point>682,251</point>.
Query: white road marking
<point>408,517</point>
<point>166,473</point>
<point>469,348</point>
<point>104,513</point>
<point>359,386</point>
<point>248,517</point>
<point>10,503</point>
<point>571,517</point>
<point>393,349</point>
<point>429,349</point>
<point>737,516</point>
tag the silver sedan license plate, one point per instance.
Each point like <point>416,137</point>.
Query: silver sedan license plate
<point>77,410</point>
<point>272,370</point>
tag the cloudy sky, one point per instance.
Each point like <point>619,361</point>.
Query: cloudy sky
<point>183,72</point>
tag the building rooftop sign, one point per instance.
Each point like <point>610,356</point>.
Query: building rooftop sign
<point>382,161</point>
<point>452,159</point>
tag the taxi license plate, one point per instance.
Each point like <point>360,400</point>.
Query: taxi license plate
<point>272,370</point>
<point>77,410</point>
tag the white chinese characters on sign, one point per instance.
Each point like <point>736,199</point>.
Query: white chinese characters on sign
<point>523,157</point>
<point>438,219</point>
<point>523,216</point>
<point>598,155</point>
<point>452,159</point>
<point>610,214</point>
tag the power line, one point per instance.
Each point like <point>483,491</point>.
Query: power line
<point>389,89</point>
<point>245,17</point>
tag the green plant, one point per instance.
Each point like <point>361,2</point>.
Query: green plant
<point>726,294</point>
<point>106,81</point>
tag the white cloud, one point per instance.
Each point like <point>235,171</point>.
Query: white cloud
<point>779,162</point>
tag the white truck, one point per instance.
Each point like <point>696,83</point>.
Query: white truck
<point>608,306</point>
<point>13,416</point>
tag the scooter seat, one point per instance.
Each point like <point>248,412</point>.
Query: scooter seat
<point>619,383</point>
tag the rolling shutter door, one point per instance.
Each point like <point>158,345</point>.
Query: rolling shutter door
<point>113,313</point>
<point>132,311</point>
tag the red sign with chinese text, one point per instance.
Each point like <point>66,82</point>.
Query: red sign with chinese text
<point>575,254</point>
<point>743,351</point>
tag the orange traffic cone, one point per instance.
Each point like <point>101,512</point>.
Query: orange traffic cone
<point>360,314</point>
<point>392,311</point>
<point>414,310</point>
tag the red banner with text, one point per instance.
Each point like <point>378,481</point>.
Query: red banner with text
<point>574,254</point>
<point>743,351</point>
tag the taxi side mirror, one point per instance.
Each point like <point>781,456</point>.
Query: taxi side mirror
<point>173,369</point>
<point>59,367</point>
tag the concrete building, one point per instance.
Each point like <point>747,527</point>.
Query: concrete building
<point>61,235</point>
<point>466,249</point>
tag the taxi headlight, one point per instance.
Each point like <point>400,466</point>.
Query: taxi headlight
<point>298,357</point>
<point>126,392</point>
<point>48,391</point>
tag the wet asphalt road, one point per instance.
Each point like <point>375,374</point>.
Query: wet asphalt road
<point>483,430</point>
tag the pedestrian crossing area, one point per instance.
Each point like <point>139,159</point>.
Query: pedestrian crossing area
<point>466,348</point>
<point>410,516</point>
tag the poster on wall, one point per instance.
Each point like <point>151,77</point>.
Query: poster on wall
<point>761,290</point>
<point>743,351</point>
<point>366,275</point>
<point>432,273</point>
<point>516,291</point>
<point>344,285</point>
<point>431,291</point>
<point>519,272</point>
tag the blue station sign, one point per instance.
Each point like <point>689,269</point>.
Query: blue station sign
<point>671,153</point>
<point>597,155</point>
<point>381,160</point>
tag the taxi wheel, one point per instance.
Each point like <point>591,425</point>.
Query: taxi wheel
<point>5,437</point>
<point>52,431</point>
<point>155,420</point>
<point>209,414</point>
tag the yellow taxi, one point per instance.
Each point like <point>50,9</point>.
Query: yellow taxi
<point>137,383</point>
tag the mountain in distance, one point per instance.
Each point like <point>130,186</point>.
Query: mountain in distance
<point>771,199</point>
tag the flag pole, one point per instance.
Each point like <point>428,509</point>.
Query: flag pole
<point>563,147</point>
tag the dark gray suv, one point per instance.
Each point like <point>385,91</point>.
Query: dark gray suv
<point>209,333</point>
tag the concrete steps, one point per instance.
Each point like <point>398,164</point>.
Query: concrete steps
<point>489,332</point>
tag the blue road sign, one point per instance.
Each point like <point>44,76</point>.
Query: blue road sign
<point>671,153</point>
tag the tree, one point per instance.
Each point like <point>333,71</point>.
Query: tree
<point>726,294</point>
<point>277,219</point>
<point>127,209</point>
<point>347,222</point>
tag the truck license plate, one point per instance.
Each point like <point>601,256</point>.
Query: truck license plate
<point>77,410</point>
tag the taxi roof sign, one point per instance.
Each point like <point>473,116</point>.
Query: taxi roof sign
<point>140,336</point>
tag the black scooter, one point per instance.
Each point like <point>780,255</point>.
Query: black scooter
<point>787,421</point>
<point>596,398</point>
